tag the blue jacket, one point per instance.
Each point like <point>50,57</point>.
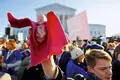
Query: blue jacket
<point>13,60</point>
<point>64,59</point>
<point>15,56</point>
<point>25,53</point>
<point>73,69</point>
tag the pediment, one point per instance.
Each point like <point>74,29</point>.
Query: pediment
<point>56,6</point>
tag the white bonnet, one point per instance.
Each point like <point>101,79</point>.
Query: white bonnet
<point>76,52</point>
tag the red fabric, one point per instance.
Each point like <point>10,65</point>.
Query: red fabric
<point>52,45</point>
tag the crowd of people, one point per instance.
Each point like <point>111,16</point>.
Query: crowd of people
<point>85,61</point>
<point>14,57</point>
<point>38,59</point>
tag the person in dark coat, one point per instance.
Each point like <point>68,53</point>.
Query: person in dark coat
<point>75,64</point>
<point>84,45</point>
<point>105,45</point>
<point>34,73</point>
<point>98,62</point>
<point>116,64</point>
<point>64,59</point>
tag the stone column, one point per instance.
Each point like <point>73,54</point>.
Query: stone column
<point>63,21</point>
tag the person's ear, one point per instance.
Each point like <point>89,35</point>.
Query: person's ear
<point>90,69</point>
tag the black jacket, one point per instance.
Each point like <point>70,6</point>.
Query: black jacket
<point>116,70</point>
<point>60,76</point>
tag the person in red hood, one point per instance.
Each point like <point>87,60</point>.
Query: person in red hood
<point>46,37</point>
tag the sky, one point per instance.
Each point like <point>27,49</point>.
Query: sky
<point>105,12</point>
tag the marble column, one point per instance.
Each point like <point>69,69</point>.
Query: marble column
<point>63,21</point>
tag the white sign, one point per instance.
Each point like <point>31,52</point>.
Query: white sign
<point>78,27</point>
<point>20,36</point>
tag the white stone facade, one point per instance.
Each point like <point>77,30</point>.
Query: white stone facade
<point>63,12</point>
<point>16,31</point>
<point>97,30</point>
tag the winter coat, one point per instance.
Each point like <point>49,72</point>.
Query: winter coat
<point>73,69</point>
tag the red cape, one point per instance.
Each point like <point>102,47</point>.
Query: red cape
<point>54,42</point>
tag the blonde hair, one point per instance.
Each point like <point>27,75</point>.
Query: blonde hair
<point>25,45</point>
<point>92,55</point>
<point>13,43</point>
<point>70,47</point>
<point>4,42</point>
<point>111,44</point>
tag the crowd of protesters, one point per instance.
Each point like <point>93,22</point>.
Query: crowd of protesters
<point>85,61</point>
<point>88,60</point>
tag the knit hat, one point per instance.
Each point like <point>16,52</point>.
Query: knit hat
<point>76,52</point>
<point>41,19</point>
<point>94,46</point>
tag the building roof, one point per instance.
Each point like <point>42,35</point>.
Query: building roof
<point>97,25</point>
<point>117,34</point>
<point>56,6</point>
